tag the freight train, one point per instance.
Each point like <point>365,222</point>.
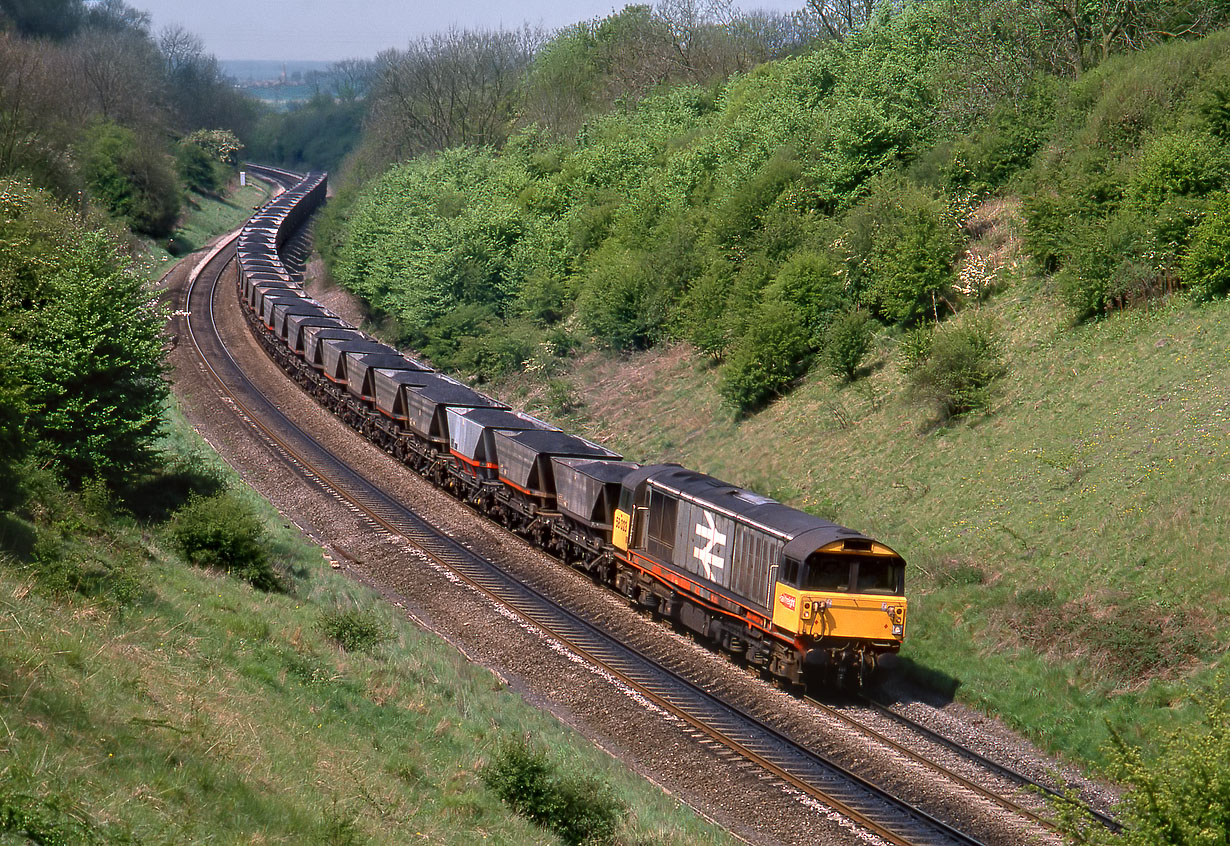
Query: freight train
<point>797,597</point>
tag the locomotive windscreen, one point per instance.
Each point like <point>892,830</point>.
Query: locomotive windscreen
<point>853,573</point>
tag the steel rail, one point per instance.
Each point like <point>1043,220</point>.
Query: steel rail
<point>1002,770</point>
<point>903,750</point>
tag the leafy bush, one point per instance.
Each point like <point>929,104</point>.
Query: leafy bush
<point>1188,164</point>
<point>133,179</point>
<point>1103,261</point>
<point>355,630</point>
<point>902,247</point>
<point>704,316</point>
<point>197,169</point>
<point>739,217</point>
<point>846,342</point>
<point>915,347</point>
<point>964,360</point>
<point>221,532</point>
<point>1206,269</point>
<point>1005,146</point>
<point>814,284</point>
<point>83,338</point>
<point>621,304</point>
<point>14,439</point>
<point>1179,795</point>
<point>64,562</point>
<point>767,359</point>
<point>578,809</point>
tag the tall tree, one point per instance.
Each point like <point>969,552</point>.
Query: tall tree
<point>450,89</point>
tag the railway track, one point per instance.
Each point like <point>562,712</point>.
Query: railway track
<point>704,715</point>
<point>1011,774</point>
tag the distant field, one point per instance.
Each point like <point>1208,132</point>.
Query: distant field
<point>255,70</point>
<point>280,84</point>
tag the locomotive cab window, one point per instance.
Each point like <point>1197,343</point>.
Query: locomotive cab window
<point>827,572</point>
<point>879,575</point>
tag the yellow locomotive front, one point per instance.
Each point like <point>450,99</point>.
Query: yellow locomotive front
<point>845,603</point>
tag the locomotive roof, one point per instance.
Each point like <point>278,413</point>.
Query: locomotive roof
<point>776,518</point>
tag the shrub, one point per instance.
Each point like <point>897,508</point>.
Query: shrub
<point>1071,197</point>
<point>355,630</point>
<point>813,283</point>
<point>704,315</point>
<point>64,566</point>
<point>222,533</point>
<point>1181,794</point>
<point>133,179</point>
<point>1205,269</point>
<point>1189,164</point>
<point>1101,253</point>
<point>621,304</point>
<point>92,363</point>
<point>578,809</point>
<point>846,343</point>
<point>915,347</point>
<point>767,358</point>
<point>964,360</point>
<point>1006,144</point>
<point>902,245</point>
<point>739,217</point>
<point>197,169</point>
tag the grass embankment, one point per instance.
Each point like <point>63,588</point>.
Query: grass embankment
<point>190,707</point>
<point>144,700</point>
<point>1066,551</point>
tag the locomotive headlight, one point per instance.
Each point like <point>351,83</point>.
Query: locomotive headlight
<point>807,610</point>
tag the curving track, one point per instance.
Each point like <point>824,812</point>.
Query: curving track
<point>789,761</point>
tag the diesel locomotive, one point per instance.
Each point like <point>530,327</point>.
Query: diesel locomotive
<point>800,598</point>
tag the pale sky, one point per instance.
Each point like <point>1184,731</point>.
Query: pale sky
<point>329,30</point>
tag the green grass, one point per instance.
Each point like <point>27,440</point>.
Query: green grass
<point>200,709</point>
<point>1066,551</point>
